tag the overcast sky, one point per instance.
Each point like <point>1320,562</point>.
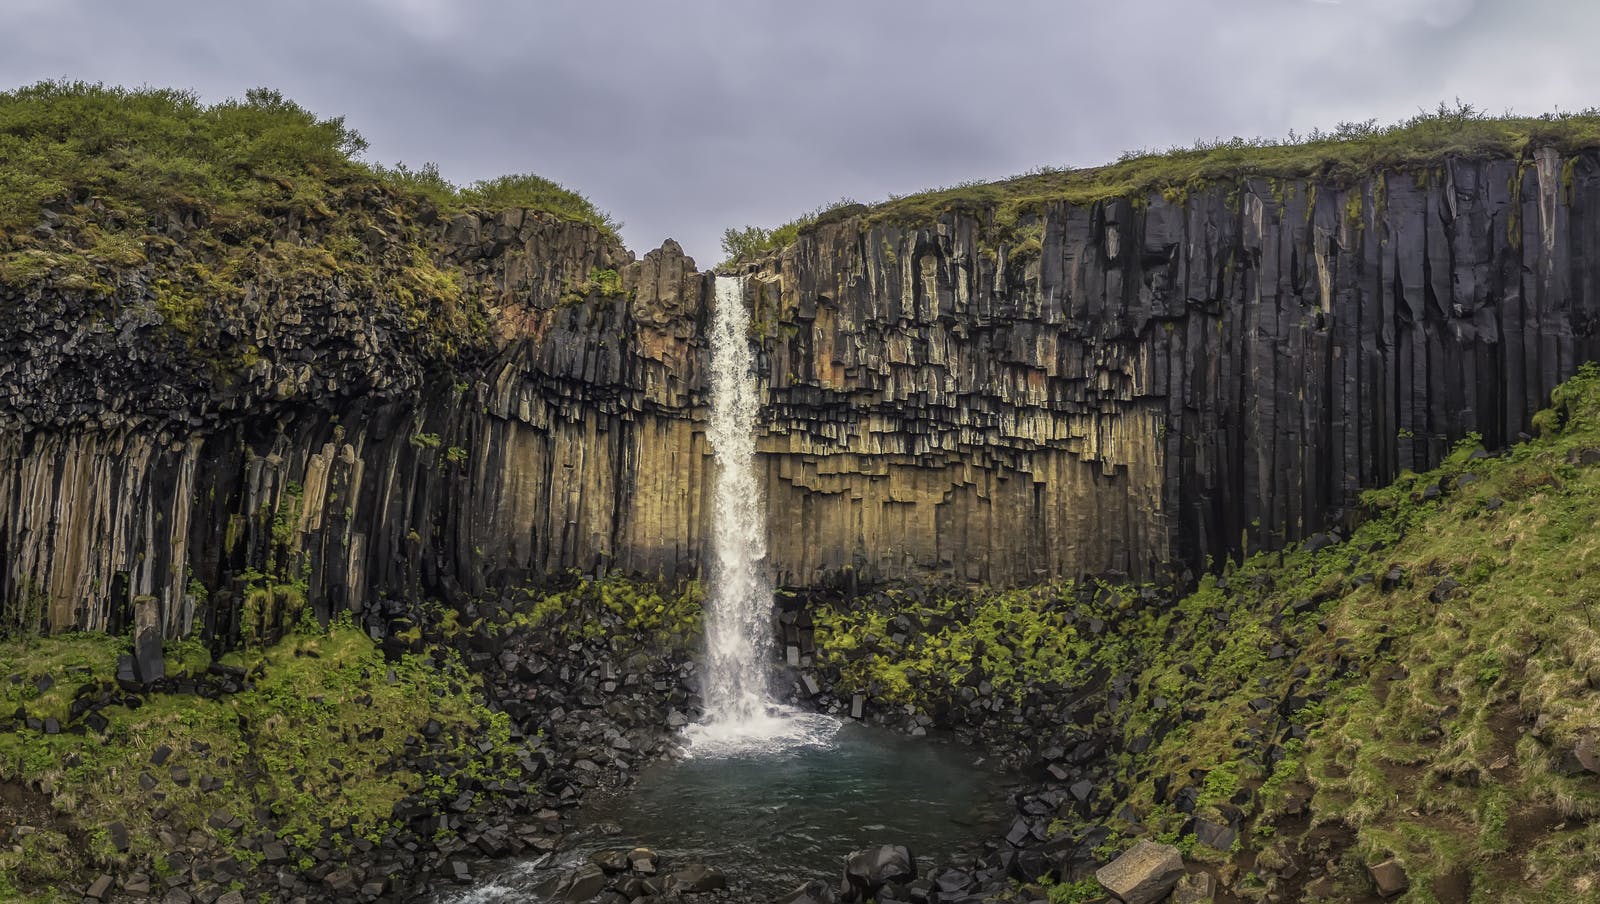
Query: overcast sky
<point>683,117</point>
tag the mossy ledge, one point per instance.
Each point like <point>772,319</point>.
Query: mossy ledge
<point>1353,151</point>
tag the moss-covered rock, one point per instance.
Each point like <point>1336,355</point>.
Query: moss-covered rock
<point>317,741</point>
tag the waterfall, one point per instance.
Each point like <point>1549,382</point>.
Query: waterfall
<point>741,717</point>
<point>739,604</point>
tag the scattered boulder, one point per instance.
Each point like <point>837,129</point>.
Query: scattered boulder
<point>1195,888</point>
<point>584,883</point>
<point>867,871</point>
<point>1390,878</point>
<point>149,665</point>
<point>1144,874</point>
<point>99,888</point>
<point>643,860</point>
<point>1587,751</point>
<point>1214,835</point>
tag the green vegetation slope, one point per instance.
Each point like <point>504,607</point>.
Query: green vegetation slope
<point>319,743</point>
<point>1424,691</point>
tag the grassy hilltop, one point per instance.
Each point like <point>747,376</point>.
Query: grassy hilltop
<point>133,195</point>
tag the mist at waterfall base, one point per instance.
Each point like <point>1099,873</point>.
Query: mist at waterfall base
<point>771,795</point>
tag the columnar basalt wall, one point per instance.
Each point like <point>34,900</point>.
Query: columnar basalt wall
<point>1119,387</point>
<point>1146,387</point>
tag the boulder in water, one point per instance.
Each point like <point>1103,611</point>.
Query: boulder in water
<point>867,871</point>
<point>584,883</point>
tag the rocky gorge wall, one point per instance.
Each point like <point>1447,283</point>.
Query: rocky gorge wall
<point>1132,387</point>
<point>1143,385</point>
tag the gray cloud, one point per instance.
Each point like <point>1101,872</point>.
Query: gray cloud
<point>683,118</point>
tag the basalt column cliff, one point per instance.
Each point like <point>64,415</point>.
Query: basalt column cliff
<point>1128,386</point>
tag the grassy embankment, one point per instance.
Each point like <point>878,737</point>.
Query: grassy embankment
<point>318,750</point>
<point>1441,664</point>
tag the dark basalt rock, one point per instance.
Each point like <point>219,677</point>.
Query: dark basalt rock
<point>813,892</point>
<point>1150,384</point>
<point>867,871</point>
<point>695,878</point>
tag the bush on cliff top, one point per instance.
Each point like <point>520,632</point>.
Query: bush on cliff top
<point>224,220</point>
<point>146,151</point>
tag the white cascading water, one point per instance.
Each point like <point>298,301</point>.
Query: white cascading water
<point>740,714</point>
<point>739,604</point>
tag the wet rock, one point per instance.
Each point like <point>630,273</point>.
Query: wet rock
<point>867,871</point>
<point>813,892</point>
<point>583,883</point>
<point>1144,874</point>
<point>695,878</point>
<point>643,860</point>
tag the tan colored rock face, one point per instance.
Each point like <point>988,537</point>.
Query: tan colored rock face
<point>1147,388</point>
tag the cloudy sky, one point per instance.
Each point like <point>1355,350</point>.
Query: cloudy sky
<point>683,117</point>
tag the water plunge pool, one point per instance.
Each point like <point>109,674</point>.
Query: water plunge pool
<point>772,817</point>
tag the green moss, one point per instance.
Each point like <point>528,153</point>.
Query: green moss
<point>1019,641</point>
<point>535,193</point>
<point>633,611</point>
<point>318,740</point>
<point>601,283</point>
<point>1421,741</point>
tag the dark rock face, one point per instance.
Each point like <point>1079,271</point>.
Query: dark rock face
<point>1134,387</point>
<point>1160,379</point>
